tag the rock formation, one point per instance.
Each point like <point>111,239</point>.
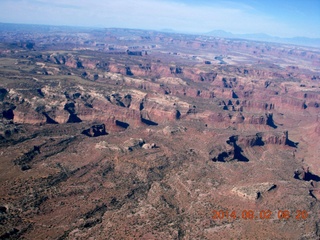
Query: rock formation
<point>95,131</point>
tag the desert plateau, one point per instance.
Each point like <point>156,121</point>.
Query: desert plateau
<point>113,133</point>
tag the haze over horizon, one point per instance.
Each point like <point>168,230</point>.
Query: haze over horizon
<point>276,18</point>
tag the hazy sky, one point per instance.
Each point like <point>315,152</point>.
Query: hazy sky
<point>284,18</point>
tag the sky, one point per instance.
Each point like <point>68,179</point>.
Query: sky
<point>282,18</point>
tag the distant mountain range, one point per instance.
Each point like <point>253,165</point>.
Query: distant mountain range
<point>304,41</point>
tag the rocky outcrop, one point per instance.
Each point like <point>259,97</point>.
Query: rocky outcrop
<point>228,152</point>
<point>236,117</point>
<point>149,146</point>
<point>255,191</point>
<point>251,141</point>
<point>233,148</point>
<point>133,143</point>
<point>208,77</point>
<point>266,138</point>
<point>252,105</point>
<point>288,103</point>
<point>95,131</point>
<point>122,124</point>
<point>118,100</point>
<point>49,119</point>
<point>278,138</point>
<point>229,82</point>
<point>24,115</point>
<point>147,121</point>
<point>304,173</point>
<point>257,120</point>
<point>70,108</point>
<point>176,70</point>
<point>222,153</point>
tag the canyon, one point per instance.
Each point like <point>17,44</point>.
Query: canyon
<point>135,134</point>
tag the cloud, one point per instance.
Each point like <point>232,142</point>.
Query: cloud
<point>180,16</point>
<point>55,4</point>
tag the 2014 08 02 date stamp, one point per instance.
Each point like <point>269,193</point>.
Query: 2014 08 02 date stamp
<point>259,215</point>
